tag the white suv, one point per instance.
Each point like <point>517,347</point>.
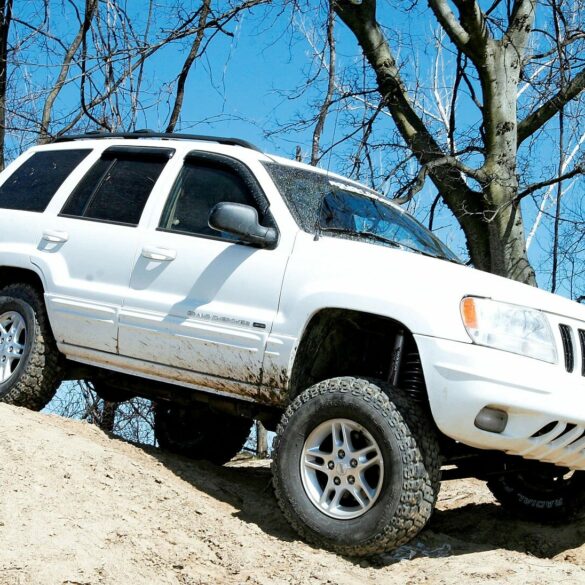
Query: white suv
<point>227,284</point>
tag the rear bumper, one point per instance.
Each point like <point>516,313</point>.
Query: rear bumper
<point>544,403</point>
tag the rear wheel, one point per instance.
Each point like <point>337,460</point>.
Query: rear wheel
<point>109,393</point>
<point>356,467</point>
<point>541,492</point>
<point>199,432</point>
<point>29,359</point>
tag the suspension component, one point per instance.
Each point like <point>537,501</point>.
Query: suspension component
<point>412,377</point>
<point>396,360</point>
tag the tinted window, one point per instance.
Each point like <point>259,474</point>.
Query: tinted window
<point>199,187</point>
<point>32,186</point>
<point>115,190</point>
<point>344,209</point>
<point>352,213</point>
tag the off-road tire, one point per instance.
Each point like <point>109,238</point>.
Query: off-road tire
<point>530,495</point>
<point>38,375</point>
<point>409,447</point>
<point>199,432</point>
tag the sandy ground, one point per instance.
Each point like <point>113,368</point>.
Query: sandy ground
<point>79,507</point>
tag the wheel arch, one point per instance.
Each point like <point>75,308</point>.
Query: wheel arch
<point>14,274</point>
<point>338,342</point>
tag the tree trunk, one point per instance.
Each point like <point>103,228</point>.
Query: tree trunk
<point>504,218</point>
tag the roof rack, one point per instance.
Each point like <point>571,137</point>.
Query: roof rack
<point>152,134</point>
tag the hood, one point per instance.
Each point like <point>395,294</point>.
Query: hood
<point>423,293</point>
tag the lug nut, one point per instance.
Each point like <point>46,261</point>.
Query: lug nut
<point>350,479</point>
<point>341,454</point>
<point>331,465</point>
<point>353,462</point>
<point>336,481</point>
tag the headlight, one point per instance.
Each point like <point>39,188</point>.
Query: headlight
<point>509,327</point>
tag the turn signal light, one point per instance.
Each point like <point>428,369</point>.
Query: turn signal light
<point>469,313</point>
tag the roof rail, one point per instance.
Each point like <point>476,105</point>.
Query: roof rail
<point>152,134</point>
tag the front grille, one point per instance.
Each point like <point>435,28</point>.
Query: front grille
<point>567,347</point>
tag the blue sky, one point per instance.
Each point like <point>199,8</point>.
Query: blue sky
<point>240,88</point>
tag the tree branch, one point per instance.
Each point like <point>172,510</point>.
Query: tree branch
<point>5,21</point>
<point>326,105</point>
<point>473,19</point>
<point>449,22</point>
<point>90,10</point>
<point>418,182</point>
<point>146,52</point>
<point>180,95</point>
<point>467,33</point>
<point>546,111</point>
<point>578,170</point>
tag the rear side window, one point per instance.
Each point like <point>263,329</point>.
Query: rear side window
<point>117,187</point>
<point>32,186</point>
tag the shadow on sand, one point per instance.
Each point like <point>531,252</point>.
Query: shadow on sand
<point>463,530</point>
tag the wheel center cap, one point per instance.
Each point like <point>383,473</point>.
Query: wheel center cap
<point>341,468</point>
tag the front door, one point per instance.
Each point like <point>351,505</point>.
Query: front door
<point>202,303</point>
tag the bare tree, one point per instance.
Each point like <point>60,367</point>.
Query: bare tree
<point>477,121</point>
<point>188,63</point>
<point>90,10</point>
<point>490,214</point>
<point>328,100</point>
<point>5,20</point>
<point>108,61</point>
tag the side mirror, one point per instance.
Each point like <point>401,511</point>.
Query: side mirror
<point>241,221</point>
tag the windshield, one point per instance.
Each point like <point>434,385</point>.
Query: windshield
<point>330,207</point>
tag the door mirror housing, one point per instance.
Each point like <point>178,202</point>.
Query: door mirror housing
<point>242,221</point>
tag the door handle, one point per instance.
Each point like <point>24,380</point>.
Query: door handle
<point>55,237</point>
<point>159,254</point>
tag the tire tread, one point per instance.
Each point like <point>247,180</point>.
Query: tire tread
<point>41,376</point>
<point>419,453</point>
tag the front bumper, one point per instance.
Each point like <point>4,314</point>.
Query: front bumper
<point>545,404</point>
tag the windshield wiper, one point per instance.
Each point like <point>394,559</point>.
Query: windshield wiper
<point>385,240</point>
<point>429,254</point>
<point>365,235</point>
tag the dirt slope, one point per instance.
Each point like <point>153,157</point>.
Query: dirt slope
<point>78,507</point>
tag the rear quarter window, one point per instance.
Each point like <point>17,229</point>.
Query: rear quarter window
<point>116,188</point>
<point>32,186</point>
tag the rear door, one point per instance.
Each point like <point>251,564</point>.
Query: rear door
<point>201,301</point>
<point>89,247</point>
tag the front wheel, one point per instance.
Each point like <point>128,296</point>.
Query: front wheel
<point>356,467</point>
<point>540,492</point>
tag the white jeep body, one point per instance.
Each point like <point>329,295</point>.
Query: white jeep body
<point>224,318</point>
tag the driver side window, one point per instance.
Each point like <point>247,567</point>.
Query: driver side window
<point>198,188</point>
